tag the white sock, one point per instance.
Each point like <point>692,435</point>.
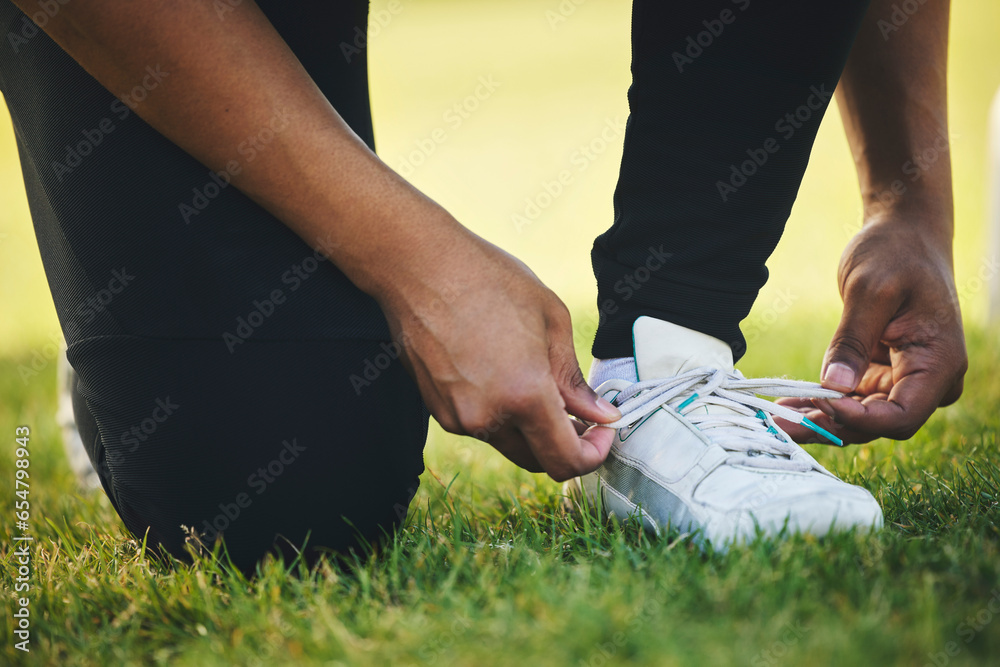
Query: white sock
<point>620,368</point>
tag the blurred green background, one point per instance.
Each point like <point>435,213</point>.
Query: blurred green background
<point>559,83</point>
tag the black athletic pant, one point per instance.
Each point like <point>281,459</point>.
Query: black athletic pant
<point>726,100</point>
<point>215,350</point>
<point>234,382</point>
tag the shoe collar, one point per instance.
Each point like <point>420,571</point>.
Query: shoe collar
<point>664,349</point>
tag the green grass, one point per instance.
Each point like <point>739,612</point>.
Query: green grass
<point>494,567</point>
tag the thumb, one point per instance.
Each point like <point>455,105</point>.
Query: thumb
<point>581,401</point>
<point>861,328</point>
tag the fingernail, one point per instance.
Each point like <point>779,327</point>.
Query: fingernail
<point>839,377</point>
<point>608,409</point>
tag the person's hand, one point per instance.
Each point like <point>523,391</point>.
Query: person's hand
<point>491,349</point>
<point>899,352</point>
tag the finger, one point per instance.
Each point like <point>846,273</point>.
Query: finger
<point>880,355</point>
<point>597,435</point>
<point>553,440</point>
<point>600,438</point>
<point>798,432</point>
<point>921,381</point>
<point>954,392</point>
<point>797,404</point>
<point>866,315</point>
<point>511,443</point>
<point>580,399</point>
<point>898,415</point>
<point>878,379</point>
<point>803,435</point>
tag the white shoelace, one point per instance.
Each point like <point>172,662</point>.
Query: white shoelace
<point>748,431</point>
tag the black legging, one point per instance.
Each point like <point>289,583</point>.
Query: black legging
<point>726,100</point>
<point>233,382</point>
<point>215,350</point>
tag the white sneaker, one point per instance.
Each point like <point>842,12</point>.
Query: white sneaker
<point>76,454</point>
<point>697,451</point>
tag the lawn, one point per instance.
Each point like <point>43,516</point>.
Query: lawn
<point>494,565</point>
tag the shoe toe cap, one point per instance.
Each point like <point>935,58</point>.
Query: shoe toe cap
<point>818,512</point>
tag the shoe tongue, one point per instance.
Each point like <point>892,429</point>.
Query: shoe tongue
<point>664,349</point>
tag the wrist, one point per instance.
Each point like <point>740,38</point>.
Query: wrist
<point>919,185</point>
<point>922,212</point>
<point>415,259</point>
<point>902,242</point>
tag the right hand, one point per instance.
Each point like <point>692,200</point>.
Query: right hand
<point>491,349</point>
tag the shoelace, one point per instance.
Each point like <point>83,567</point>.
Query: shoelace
<point>749,432</point>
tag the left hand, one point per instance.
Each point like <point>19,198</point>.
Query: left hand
<point>899,352</point>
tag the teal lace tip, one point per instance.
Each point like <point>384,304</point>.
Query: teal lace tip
<point>763,417</point>
<point>823,432</point>
<point>688,402</point>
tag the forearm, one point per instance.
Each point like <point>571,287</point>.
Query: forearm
<point>483,336</point>
<point>228,80</point>
<point>893,99</point>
